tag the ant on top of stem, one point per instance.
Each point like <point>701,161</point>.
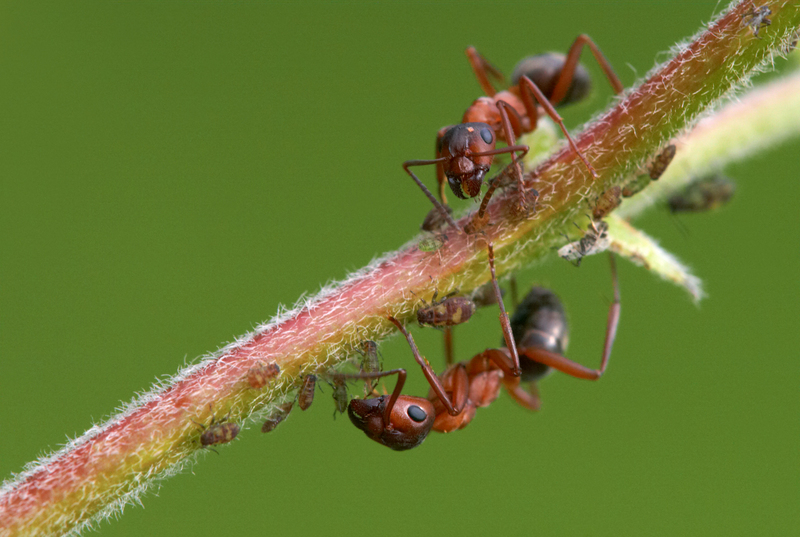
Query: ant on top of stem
<point>464,152</point>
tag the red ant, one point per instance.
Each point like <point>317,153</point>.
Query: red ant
<point>464,152</point>
<point>539,325</point>
<point>402,422</point>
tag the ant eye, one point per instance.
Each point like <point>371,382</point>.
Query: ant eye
<point>417,414</point>
<point>486,134</point>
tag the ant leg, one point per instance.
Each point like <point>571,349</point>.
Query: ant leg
<point>571,63</point>
<point>504,107</point>
<point>504,322</point>
<point>482,69</point>
<point>440,165</point>
<point>433,380</point>
<point>565,365</point>
<point>401,380</point>
<point>479,220</point>
<point>529,90</point>
<point>448,345</point>
<point>425,190</point>
<point>526,398</point>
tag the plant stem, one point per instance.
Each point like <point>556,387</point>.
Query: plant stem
<point>157,435</point>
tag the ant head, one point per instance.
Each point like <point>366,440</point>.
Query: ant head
<point>465,166</point>
<point>410,421</point>
<point>544,69</point>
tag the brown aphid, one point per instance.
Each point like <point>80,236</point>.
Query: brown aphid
<point>636,185</point>
<point>278,415</point>
<point>607,202</point>
<point>218,432</point>
<point>306,395</point>
<point>449,311</point>
<point>703,195</point>
<point>259,375</point>
<point>662,160</point>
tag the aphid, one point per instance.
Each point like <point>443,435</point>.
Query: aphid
<point>662,160</point>
<point>431,244</point>
<point>280,413</point>
<point>607,202</point>
<point>370,363</point>
<point>464,152</point>
<point>259,375</point>
<point>594,241</point>
<point>306,394</point>
<point>449,311</point>
<point>340,395</point>
<point>656,169</point>
<point>218,432</point>
<point>703,195</point>
<point>758,18</point>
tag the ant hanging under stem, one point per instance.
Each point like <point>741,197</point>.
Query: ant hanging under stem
<point>464,152</point>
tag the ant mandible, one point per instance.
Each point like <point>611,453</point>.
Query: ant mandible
<point>464,152</point>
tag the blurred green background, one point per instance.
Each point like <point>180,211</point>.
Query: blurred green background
<point>172,172</point>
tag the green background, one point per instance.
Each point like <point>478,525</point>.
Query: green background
<point>172,173</point>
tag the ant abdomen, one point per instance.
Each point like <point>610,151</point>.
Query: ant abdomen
<point>544,70</point>
<point>539,322</point>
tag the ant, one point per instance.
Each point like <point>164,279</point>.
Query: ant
<point>539,325</point>
<point>402,422</point>
<point>464,152</point>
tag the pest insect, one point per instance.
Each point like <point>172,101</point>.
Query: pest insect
<point>656,169</point>
<point>757,18</point>
<point>594,241</point>
<point>464,152</point>
<point>449,311</point>
<point>218,432</point>
<point>340,395</point>
<point>431,244</point>
<point>306,394</point>
<point>259,375</point>
<point>280,413</point>
<point>607,202</point>
<point>703,195</point>
<point>370,362</point>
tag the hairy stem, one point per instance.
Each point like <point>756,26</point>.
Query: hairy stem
<point>112,464</point>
